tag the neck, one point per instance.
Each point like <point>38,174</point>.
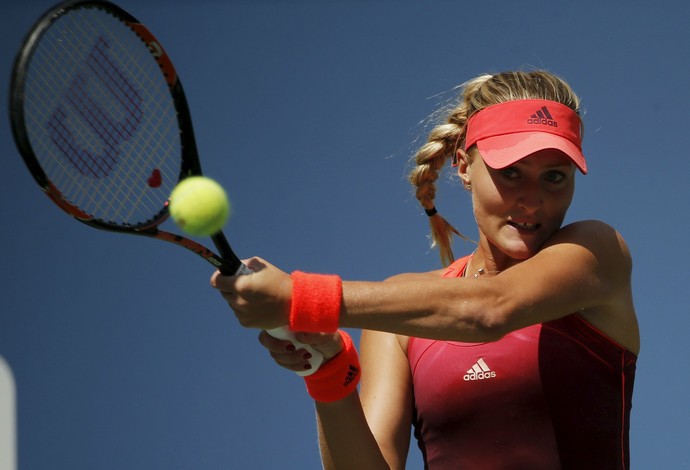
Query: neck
<point>489,259</point>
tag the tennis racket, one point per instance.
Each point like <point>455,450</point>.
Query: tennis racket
<point>101,120</point>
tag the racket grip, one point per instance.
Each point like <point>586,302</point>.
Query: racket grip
<point>284,333</point>
<point>316,357</point>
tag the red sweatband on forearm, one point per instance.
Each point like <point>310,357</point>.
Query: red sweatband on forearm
<point>338,377</point>
<point>316,300</point>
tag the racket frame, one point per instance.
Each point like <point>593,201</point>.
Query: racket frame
<point>190,165</point>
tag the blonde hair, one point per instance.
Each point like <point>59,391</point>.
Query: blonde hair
<point>449,135</point>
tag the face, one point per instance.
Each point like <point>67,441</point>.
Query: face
<point>519,207</point>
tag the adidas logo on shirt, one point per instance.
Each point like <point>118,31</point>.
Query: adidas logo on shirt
<point>479,371</point>
<point>542,116</point>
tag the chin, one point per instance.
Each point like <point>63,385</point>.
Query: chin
<point>520,250</point>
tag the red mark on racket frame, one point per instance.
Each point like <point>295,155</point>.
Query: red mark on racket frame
<point>156,179</point>
<point>90,114</point>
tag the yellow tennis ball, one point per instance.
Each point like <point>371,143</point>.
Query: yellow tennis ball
<point>199,206</point>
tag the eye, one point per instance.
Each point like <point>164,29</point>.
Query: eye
<point>510,172</point>
<point>554,176</point>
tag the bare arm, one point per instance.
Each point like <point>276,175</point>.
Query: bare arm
<point>371,430</point>
<point>584,268</point>
<point>345,438</point>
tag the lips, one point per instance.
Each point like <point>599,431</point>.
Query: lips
<point>524,226</point>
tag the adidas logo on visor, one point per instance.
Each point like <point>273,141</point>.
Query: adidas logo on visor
<point>479,371</point>
<point>542,117</point>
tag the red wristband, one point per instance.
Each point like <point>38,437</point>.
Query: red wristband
<point>316,300</point>
<point>338,377</point>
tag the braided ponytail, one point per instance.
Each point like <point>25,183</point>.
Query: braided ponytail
<point>430,159</point>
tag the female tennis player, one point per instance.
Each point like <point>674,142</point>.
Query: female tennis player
<point>519,355</point>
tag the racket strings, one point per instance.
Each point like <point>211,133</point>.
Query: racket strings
<point>101,118</point>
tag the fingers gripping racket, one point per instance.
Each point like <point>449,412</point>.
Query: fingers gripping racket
<point>100,118</point>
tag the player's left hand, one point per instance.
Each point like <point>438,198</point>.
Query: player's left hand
<point>286,355</point>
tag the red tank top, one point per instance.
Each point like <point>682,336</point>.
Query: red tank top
<point>553,395</point>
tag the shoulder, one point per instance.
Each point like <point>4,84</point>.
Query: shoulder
<point>588,229</point>
<point>601,248</point>
<point>595,254</point>
<point>596,237</point>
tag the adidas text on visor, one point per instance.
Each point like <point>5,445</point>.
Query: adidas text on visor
<point>507,132</point>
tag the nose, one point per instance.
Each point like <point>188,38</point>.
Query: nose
<point>530,199</point>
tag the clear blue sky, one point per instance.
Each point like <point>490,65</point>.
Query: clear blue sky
<point>307,112</point>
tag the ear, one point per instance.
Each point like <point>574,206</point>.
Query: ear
<point>464,167</point>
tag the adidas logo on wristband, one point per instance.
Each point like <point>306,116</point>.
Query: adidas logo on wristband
<point>351,375</point>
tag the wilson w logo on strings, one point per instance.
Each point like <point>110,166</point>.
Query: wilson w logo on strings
<point>100,110</point>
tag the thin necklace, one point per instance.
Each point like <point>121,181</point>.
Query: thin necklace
<point>480,271</point>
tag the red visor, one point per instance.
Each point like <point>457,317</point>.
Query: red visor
<point>507,132</point>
